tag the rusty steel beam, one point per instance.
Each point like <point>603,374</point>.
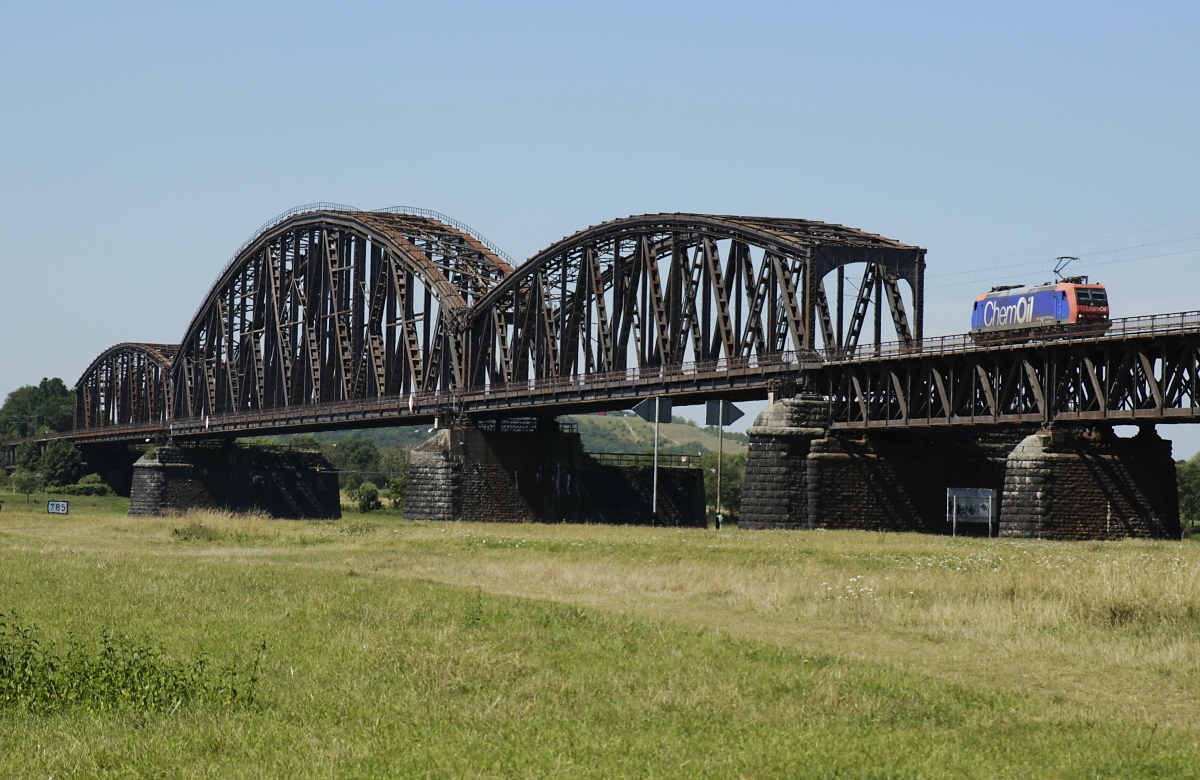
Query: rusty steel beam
<point>1143,369</point>
<point>128,384</point>
<point>333,305</point>
<point>735,287</point>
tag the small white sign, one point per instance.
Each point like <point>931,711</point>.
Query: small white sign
<point>56,507</point>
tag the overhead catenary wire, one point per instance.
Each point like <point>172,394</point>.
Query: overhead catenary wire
<point>1043,261</point>
<point>1084,242</point>
<point>1011,276</point>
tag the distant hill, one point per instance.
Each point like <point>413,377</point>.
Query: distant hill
<point>404,436</point>
<point>611,433</point>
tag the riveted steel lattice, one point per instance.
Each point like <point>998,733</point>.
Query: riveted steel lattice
<point>329,306</point>
<point>1143,369</point>
<point>332,317</point>
<point>127,384</point>
<point>669,289</point>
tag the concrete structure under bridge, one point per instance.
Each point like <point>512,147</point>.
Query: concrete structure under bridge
<point>332,318</point>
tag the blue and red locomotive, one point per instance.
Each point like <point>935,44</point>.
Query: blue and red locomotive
<point>1052,309</point>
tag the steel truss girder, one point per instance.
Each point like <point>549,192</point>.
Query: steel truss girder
<point>1147,378</point>
<point>127,384</point>
<point>332,306</point>
<point>735,288</point>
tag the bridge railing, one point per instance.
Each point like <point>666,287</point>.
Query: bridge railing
<point>454,223</point>
<point>425,403</point>
<point>449,401</point>
<point>781,361</point>
<point>643,460</point>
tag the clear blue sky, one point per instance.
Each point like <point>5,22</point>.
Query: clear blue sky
<point>143,142</point>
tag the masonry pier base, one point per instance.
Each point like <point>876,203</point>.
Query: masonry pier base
<point>1088,485</point>
<point>1091,485</point>
<point>540,473</point>
<point>219,475</point>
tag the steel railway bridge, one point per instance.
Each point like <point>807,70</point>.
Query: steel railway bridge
<point>330,317</point>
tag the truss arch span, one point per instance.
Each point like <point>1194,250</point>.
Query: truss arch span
<point>127,384</point>
<point>327,303</point>
<point>663,290</point>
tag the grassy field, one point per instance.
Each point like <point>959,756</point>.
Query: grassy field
<point>455,650</point>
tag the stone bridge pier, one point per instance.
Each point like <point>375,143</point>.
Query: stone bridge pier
<point>540,473</point>
<point>1052,484</point>
<point>220,475</point>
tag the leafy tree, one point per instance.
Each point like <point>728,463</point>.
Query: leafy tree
<point>742,438</point>
<point>368,497</point>
<point>733,474</point>
<point>304,441</point>
<point>34,409</point>
<point>398,490</point>
<point>1188,477</point>
<point>27,482</point>
<point>29,456</point>
<point>393,462</point>
<point>61,464</point>
<point>353,457</point>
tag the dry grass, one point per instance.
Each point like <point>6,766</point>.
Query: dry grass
<point>1093,634</point>
<point>1096,624</point>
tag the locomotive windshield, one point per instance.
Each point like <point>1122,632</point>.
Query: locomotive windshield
<point>1092,297</point>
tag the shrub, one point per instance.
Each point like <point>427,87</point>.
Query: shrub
<point>398,490</point>
<point>117,673</point>
<point>81,489</point>
<point>368,497</point>
<point>197,532</point>
<point>25,481</point>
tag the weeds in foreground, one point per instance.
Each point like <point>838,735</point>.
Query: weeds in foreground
<point>118,673</point>
<point>197,532</point>
<point>217,525</point>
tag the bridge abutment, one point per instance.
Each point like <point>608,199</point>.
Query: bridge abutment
<point>284,484</point>
<point>1090,485</point>
<point>541,475</point>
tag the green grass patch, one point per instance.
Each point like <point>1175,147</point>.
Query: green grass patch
<point>422,650</point>
<point>85,506</point>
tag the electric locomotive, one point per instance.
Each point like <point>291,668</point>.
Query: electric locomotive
<point>1055,309</point>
